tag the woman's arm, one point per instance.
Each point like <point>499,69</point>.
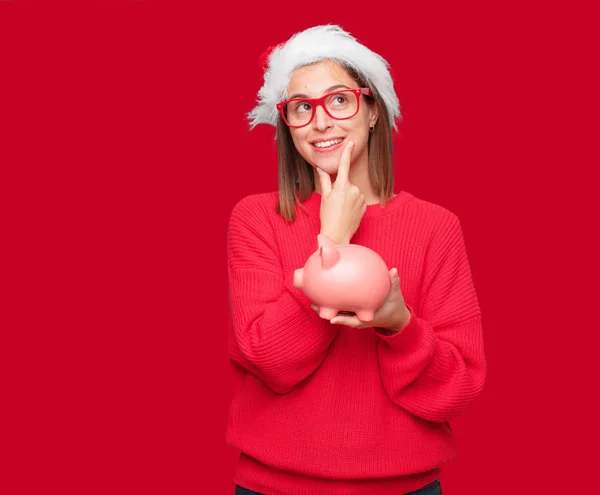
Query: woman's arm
<point>275,333</point>
<point>435,367</point>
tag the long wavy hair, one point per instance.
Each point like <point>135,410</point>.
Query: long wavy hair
<point>296,180</point>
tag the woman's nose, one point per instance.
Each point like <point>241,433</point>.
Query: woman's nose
<point>322,120</point>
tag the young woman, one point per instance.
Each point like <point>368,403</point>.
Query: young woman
<point>340,405</point>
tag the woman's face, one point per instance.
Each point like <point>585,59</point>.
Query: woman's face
<point>314,81</point>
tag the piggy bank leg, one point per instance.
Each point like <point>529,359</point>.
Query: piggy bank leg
<point>327,313</point>
<point>365,315</point>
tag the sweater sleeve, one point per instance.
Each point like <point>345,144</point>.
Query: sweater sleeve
<point>274,332</point>
<point>435,366</point>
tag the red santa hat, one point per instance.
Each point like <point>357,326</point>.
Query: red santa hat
<point>327,42</point>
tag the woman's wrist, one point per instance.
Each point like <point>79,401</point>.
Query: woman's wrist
<point>336,238</point>
<point>398,327</point>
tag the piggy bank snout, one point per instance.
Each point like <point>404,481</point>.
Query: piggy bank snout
<point>298,277</point>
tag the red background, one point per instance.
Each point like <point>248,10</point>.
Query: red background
<point>124,146</point>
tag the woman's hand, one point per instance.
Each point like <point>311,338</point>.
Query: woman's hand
<point>391,317</point>
<point>342,205</point>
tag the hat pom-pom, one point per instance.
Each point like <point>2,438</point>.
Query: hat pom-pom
<point>264,58</point>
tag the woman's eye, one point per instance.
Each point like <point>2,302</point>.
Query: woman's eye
<point>303,107</point>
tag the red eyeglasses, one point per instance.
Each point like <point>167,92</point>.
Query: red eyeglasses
<point>339,105</point>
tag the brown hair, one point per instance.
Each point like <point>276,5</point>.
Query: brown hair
<point>296,176</point>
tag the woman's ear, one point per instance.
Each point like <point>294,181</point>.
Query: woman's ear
<point>373,116</point>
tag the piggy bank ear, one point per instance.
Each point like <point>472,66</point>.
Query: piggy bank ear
<point>329,256</point>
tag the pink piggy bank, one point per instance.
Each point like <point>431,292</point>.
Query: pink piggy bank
<point>345,277</point>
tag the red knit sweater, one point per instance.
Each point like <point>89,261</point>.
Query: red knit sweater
<point>328,409</point>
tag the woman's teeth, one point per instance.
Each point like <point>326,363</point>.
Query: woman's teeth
<point>325,144</point>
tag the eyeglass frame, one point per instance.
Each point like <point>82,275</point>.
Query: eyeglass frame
<point>315,102</point>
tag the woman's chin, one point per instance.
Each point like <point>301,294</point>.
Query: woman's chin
<point>330,168</point>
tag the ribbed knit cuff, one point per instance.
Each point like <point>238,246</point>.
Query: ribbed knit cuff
<point>416,336</point>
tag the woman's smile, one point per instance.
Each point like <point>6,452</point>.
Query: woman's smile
<point>324,145</point>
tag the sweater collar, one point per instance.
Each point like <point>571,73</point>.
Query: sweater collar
<point>313,204</point>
